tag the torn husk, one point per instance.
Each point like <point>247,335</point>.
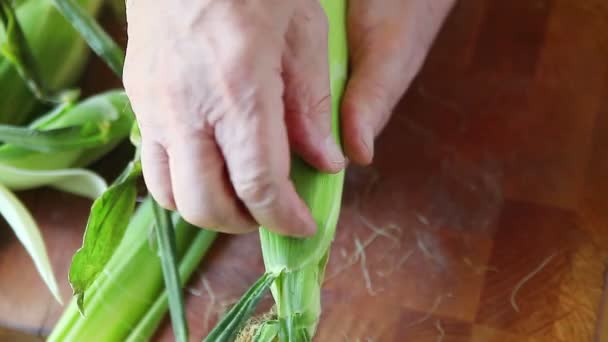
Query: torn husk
<point>253,325</point>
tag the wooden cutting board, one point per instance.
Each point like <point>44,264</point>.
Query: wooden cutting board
<point>484,216</point>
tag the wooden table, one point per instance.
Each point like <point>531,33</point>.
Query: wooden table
<point>490,182</point>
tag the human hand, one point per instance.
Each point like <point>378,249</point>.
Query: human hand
<point>222,90</point>
<point>388,40</point>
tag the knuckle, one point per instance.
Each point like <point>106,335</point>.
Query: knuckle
<point>322,106</point>
<point>239,52</point>
<point>304,97</point>
<point>258,190</point>
<point>239,71</point>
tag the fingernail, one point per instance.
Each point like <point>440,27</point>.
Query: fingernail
<point>335,155</point>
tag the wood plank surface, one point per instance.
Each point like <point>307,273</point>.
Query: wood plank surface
<point>490,182</point>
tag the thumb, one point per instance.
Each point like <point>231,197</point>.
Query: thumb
<point>388,45</point>
<point>381,72</point>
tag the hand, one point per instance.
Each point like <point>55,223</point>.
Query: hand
<point>389,40</point>
<point>222,90</point>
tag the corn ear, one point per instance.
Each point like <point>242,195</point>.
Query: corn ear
<point>297,266</point>
<point>297,291</point>
<point>128,300</point>
<point>59,52</point>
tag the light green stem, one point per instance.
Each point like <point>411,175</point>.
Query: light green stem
<point>197,250</point>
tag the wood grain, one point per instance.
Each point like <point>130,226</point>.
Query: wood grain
<point>489,182</point>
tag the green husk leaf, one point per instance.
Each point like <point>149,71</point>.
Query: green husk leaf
<point>22,168</point>
<point>109,218</point>
<point>88,135</point>
<point>297,291</point>
<point>99,41</point>
<point>130,278</point>
<point>165,236</point>
<point>267,332</point>
<point>230,325</point>
<point>76,181</point>
<point>110,108</point>
<point>196,251</point>
<point>17,51</point>
<point>128,299</point>
<point>27,231</point>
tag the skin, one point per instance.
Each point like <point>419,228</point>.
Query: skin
<point>224,90</point>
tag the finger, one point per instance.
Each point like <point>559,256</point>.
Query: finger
<point>155,164</point>
<point>307,90</point>
<point>253,140</point>
<point>203,195</point>
<point>377,81</point>
<point>388,45</point>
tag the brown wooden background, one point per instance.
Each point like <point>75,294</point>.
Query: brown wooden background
<point>491,176</point>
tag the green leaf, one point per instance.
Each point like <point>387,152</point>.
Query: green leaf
<point>231,323</point>
<point>109,218</point>
<point>17,51</point>
<point>93,34</point>
<point>27,231</point>
<point>165,235</point>
<point>56,113</point>
<point>88,135</point>
<point>77,181</point>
